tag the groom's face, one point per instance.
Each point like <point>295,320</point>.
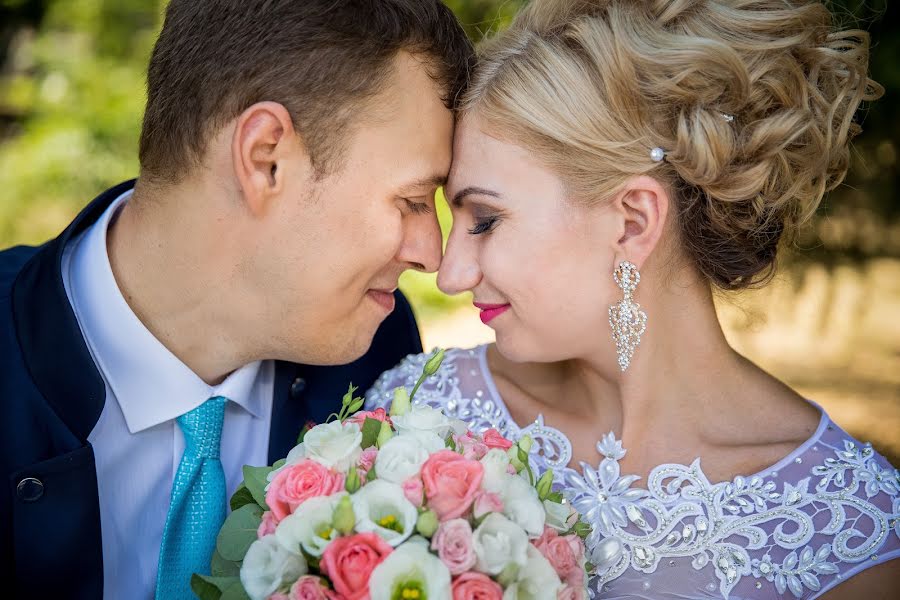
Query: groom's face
<point>341,242</point>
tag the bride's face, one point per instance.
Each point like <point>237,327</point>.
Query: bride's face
<point>541,262</point>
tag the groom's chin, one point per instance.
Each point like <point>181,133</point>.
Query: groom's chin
<point>340,347</point>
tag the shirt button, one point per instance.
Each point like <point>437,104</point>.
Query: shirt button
<point>297,387</point>
<point>30,489</point>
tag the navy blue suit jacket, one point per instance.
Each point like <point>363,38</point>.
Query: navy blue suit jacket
<point>52,395</point>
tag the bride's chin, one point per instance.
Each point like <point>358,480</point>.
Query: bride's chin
<point>515,349</point>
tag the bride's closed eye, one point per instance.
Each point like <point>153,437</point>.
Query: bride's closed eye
<point>484,225</point>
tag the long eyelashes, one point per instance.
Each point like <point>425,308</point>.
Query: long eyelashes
<point>417,208</point>
<point>484,225</point>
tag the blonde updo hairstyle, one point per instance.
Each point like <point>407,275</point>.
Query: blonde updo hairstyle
<point>752,100</point>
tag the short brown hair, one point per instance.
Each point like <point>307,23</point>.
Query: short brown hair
<point>321,59</point>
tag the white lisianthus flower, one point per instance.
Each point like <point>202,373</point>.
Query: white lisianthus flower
<point>334,444</point>
<point>560,517</point>
<point>496,476</point>
<point>401,458</point>
<point>523,507</point>
<point>423,419</point>
<point>268,566</point>
<point>410,567</point>
<point>537,581</point>
<point>381,507</point>
<point>310,526</point>
<point>499,542</point>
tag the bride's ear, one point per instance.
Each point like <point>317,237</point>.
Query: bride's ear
<point>641,208</point>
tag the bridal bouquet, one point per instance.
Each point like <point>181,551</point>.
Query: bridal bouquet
<point>399,505</point>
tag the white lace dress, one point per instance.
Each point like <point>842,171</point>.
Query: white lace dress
<point>825,512</point>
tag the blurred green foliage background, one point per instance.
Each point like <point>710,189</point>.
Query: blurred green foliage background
<point>71,100</point>
<point>72,94</point>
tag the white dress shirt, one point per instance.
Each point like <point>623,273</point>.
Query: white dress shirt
<point>137,443</point>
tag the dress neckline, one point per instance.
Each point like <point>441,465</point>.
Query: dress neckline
<point>764,473</point>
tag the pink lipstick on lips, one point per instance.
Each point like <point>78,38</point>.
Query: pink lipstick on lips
<point>489,312</point>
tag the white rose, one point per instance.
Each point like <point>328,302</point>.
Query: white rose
<point>401,458</point>
<point>411,567</point>
<point>537,581</point>
<point>499,542</point>
<point>310,526</point>
<point>380,506</point>
<point>334,444</point>
<point>560,517</point>
<point>269,566</point>
<point>496,476</point>
<point>423,419</point>
<point>523,507</point>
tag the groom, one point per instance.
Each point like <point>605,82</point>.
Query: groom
<point>289,156</point>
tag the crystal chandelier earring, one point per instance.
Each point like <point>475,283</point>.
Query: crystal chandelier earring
<point>627,320</point>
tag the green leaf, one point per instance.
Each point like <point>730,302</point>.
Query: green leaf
<point>211,588</point>
<point>555,497</point>
<point>370,429</point>
<point>241,497</point>
<point>255,480</point>
<point>220,567</point>
<point>235,592</point>
<point>238,532</point>
<point>370,476</point>
<point>581,529</point>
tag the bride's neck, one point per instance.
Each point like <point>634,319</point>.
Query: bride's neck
<point>680,375</point>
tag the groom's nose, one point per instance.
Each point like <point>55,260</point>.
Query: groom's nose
<point>421,244</point>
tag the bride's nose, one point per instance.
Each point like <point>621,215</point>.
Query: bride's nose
<point>459,270</point>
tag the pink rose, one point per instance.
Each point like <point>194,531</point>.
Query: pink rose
<point>269,522</point>
<point>451,482</point>
<point>379,414</point>
<point>349,561</point>
<point>453,543</point>
<point>565,553</point>
<point>472,448</point>
<point>297,483</point>
<point>486,502</point>
<point>493,439</point>
<point>414,491</point>
<point>571,592</point>
<point>366,461</point>
<point>308,587</point>
<point>278,596</point>
<point>475,586</point>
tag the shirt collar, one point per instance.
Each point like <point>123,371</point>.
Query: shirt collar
<point>150,383</point>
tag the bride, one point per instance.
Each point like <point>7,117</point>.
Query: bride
<point>615,160</point>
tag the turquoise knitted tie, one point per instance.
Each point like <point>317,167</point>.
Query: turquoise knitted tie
<point>197,509</point>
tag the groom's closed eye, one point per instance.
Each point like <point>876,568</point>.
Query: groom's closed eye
<point>417,207</point>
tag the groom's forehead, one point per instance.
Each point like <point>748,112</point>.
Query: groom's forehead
<point>321,59</point>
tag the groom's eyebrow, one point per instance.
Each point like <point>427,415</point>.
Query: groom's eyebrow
<point>432,181</point>
<point>459,196</point>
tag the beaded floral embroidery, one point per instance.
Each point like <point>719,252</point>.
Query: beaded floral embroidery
<point>798,535</point>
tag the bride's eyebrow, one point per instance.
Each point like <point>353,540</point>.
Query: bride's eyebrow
<point>459,196</point>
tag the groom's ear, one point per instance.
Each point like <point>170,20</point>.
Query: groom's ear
<point>641,208</point>
<point>261,146</point>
